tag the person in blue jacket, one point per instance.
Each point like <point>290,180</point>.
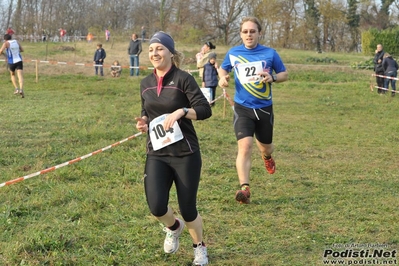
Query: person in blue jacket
<point>210,76</point>
<point>390,67</point>
<point>99,57</point>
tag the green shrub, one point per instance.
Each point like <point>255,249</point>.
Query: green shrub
<point>368,64</point>
<point>321,60</point>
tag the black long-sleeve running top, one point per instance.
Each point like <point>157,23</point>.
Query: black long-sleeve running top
<point>179,89</point>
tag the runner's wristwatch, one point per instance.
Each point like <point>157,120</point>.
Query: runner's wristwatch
<point>185,110</point>
<point>274,77</point>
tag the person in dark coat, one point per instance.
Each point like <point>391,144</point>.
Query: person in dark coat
<point>390,67</point>
<point>99,57</point>
<point>210,76</point>
<point>378,57</point>
<point>134,50</point>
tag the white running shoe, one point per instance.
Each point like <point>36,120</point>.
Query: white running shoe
<point>200,255</point>
<point>171,244</point>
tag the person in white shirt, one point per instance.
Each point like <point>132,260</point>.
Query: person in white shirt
<point>14,59</point>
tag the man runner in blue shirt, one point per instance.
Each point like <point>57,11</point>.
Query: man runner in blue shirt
<point>256,68</point>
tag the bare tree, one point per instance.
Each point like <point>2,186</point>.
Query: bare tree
<point>9,13</point>
<point>306,24</point>
<point>227,14</point>
<point>383,16</point>
<point>17,17</point>
<point>333,20</point>
<point>353,20</point>
<point>279,21</point>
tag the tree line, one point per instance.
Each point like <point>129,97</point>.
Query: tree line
<point>322,25</point>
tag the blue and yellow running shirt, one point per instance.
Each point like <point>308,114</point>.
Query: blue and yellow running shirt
<point>247,63</point>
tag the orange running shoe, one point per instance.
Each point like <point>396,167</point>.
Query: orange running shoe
<point>243,195</point>
<point>270,165</point>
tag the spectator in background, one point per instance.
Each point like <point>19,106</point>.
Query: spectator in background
<point>134,51</point>
<point>62,35</point>
<point>107,35</point>
<point>210,76</point>
<point>202,57</point>
<point>116,69</point>
<point>14,59</point>
<point>143,33</point>
<point>378,57</point>
<point>99,57</point>
<point>44,35</point>
<point>10,31</point>
<point>89,37</point>
<point>390,67</point>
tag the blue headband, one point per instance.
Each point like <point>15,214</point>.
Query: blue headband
<point>164,39</point>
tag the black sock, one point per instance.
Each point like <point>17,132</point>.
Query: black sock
<point>245,184</point>
<point>267,157</point>
<point>175,225</point>
<point>196,245</point>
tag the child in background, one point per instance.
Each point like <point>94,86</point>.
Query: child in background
<point>107,35</point>
<point>89,37</point>
<point>210,76</point>
<point>99,57</point>
<point>116,69</point>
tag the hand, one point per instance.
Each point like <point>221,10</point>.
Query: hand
<point>224,81</point>
<point>266,77</point>
<point>141,125</point>
<point>172,118</point>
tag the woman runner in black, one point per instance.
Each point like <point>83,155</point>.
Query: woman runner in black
<point>171,98</point>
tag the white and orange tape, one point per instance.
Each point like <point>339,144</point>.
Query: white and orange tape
<point>50,169</point>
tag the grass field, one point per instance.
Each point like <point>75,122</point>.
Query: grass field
<point>335,184</point>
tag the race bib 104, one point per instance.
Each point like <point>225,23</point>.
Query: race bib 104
<point>161,138</point>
